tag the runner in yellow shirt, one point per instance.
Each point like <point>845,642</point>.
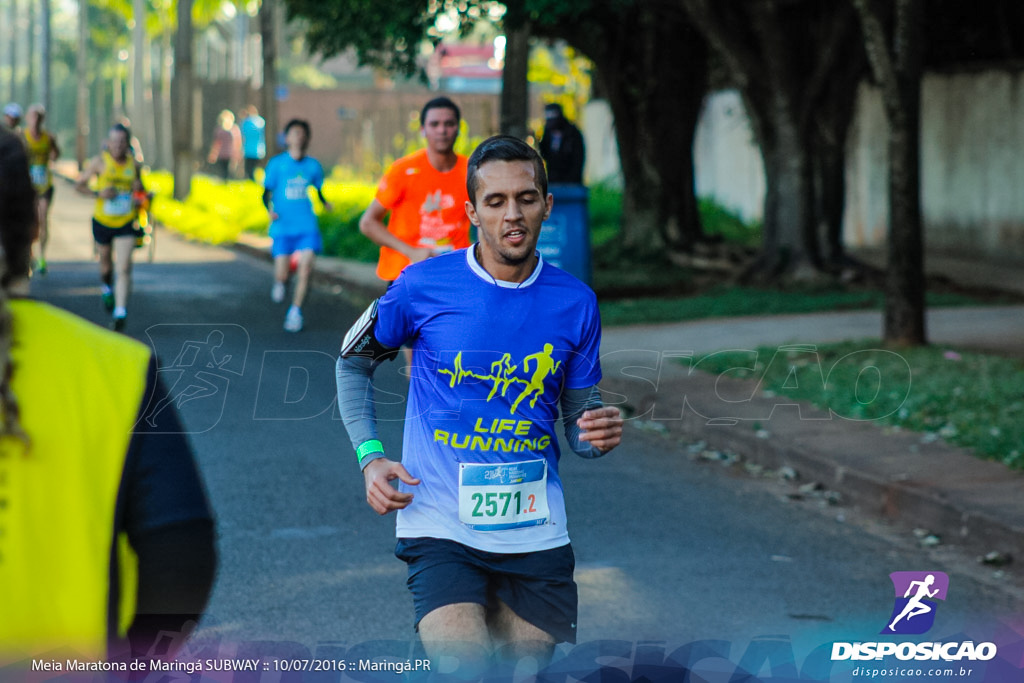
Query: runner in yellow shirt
<point>118,184</point>
<point>42,150</point>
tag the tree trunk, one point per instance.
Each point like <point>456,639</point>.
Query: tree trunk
<point>141,90</point>
<point>905,281</point>
<point>30,55</point>
<point>829,129</point>
<point>12,48</point>
<point>788,246</point>
<point>268,21</point>
<point>792,61</point>
<point>656,108</point>
<point>164,128</point>
<point>181,95</point>
<point>45,50</point>
<point>895,50</point>
<point>82,98</point>
<point>515,87</point>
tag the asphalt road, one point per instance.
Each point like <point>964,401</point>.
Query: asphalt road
<point>668,549</point>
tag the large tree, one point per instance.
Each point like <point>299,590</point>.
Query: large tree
<point>894,36</point>
<point>797,64</point>
<point>651,67</point>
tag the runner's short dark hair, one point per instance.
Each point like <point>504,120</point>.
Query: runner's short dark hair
<point>302,123</point>
<point>121,128</point>
<point>439,103</point>
<point>503,148</point>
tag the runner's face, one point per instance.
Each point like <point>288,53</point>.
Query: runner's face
<point>508,213</point>
<point>296,138</point>
<point>117,143</point>
<point>440,128</point>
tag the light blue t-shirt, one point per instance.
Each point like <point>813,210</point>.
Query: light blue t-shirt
<point>254,138</point>
<point>490,361</point>
<point>288,181</point>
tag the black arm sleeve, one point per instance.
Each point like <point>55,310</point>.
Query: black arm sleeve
<point>574,403</point>
<point>163,508</point>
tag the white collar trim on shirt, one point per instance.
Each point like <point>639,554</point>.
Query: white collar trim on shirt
<point>475,266</point>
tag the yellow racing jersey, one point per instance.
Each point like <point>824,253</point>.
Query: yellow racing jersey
<point>117,211</point>
<point>39,150</point>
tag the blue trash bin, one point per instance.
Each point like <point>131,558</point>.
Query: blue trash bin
<point>565,236</point>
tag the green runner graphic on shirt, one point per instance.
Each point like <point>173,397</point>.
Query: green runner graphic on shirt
<point>502,375</point>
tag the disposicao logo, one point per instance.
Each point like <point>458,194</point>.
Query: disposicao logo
<point>913,613</point>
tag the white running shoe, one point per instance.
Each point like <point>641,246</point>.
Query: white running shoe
<point>277,292</point>
<point>293,321</point>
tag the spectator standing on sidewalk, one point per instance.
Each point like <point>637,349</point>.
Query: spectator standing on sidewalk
<point>11,118</point>
<point>562,147</point>
<point>254,141</point>
<point>226,147</point>
<point>293,225</point>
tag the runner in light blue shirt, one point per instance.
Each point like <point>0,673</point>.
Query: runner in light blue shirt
<point>294,227</point>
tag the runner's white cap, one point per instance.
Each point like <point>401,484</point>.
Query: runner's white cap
<point>13,110</point>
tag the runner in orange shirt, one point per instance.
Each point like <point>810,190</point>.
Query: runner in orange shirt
<point>425,192</point>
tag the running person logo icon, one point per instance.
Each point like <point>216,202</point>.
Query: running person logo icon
<point>197,379</point>
<point>914,608</point>
<point>545,366</point>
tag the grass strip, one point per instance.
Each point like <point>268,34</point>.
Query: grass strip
<point>971,400</point>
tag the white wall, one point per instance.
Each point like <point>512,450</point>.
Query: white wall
<point>602,160</point>
<point>727,161</point>
<point>972,164</point>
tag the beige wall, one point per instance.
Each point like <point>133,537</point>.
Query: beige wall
<point>972,156</point>
<point>363,129</point>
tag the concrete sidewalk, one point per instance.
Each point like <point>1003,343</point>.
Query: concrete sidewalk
<point>908,478</point>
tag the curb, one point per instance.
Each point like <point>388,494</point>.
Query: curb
<point>961,499</point>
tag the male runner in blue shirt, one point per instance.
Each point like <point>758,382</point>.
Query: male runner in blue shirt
<point>293,226</point>
<point>501,341</point>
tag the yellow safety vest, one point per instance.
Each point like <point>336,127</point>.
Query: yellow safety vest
<point>79,389</point>
<point>39,159</point>
<point>118,211</point>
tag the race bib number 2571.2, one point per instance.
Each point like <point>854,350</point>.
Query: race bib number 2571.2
<point>495,497</point>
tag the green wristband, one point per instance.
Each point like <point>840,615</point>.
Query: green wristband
<point>368,448</point>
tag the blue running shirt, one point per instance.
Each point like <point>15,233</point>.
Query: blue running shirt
<point>288,181</point>
<point>490,361</point>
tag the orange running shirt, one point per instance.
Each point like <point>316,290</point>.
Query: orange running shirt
<point>428,208</point>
